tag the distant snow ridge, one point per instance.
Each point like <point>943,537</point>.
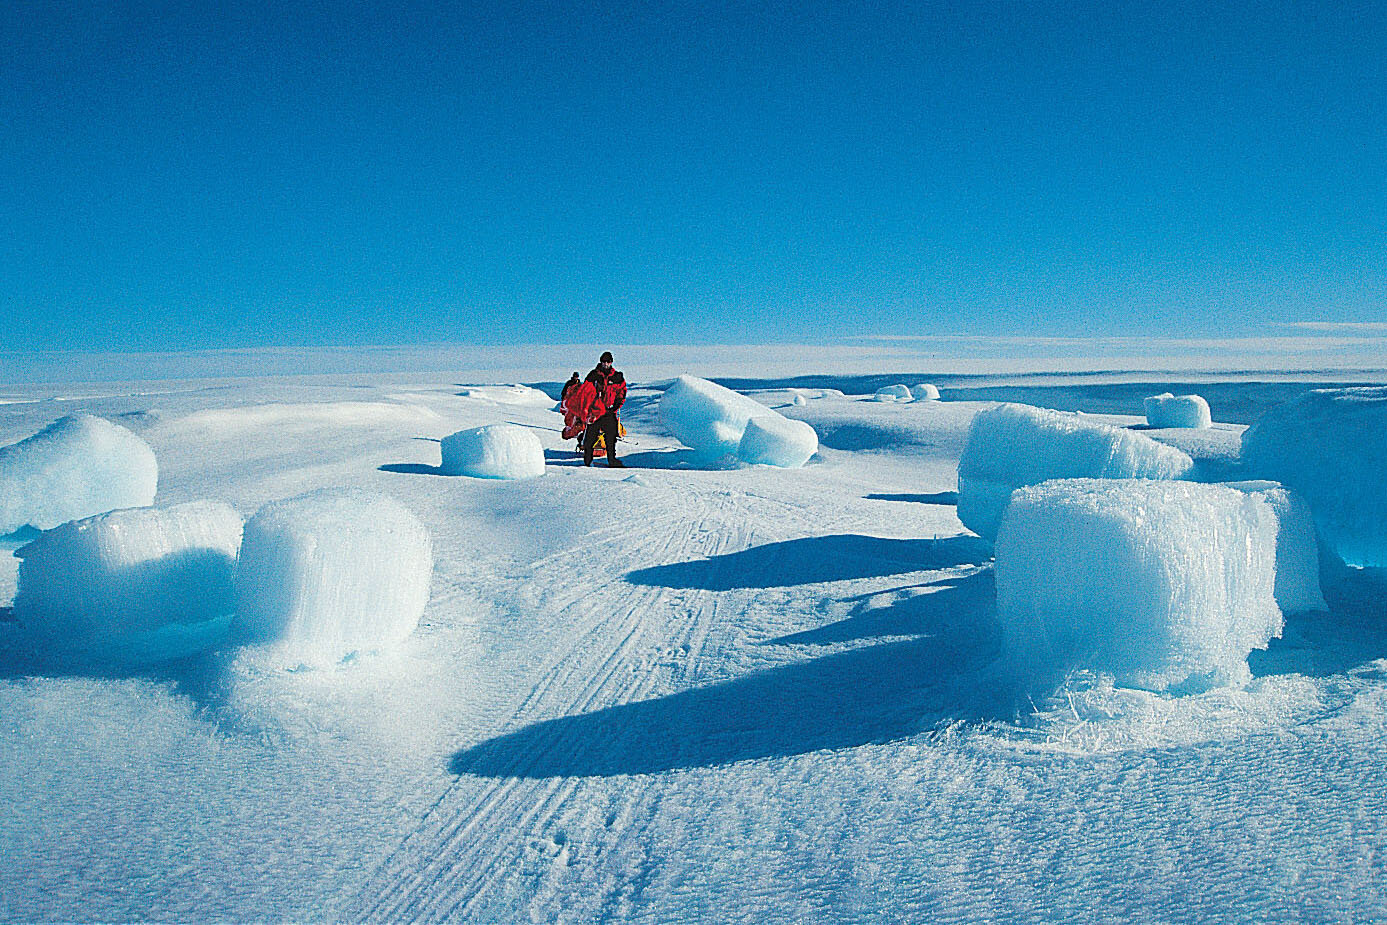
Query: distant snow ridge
<point>508,395</point>
<point>88,587</point>
<point>494,451</point>
<point>75,467</point>
<point>1297,550</point>
<point>1167,410</point>
<point>923,391</point>
<point>1168,586</point>
<point>331,573</point>
<point>894,393</point>
<point>777,441</point>
<point>1013,445</point>
<point>713,421</point>
<point>1330,445</point>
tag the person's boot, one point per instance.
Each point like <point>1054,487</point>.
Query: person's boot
<point>615,464</point>
<point>587,456</point>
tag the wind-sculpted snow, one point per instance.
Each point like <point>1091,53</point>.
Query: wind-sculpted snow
<point>1167,410</point>
<point>331,573</point>
<point>1164,585</point>
<point>712,421</point>
<point>1297,550</point>
<point>508,395</point>
<point>494,451</point>
<point>88,588</point>
<point>777,441</point>
<point>1330,445</point>
<point>1012,445</point>
<point>75,467</point>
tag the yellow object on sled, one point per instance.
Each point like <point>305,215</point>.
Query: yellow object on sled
<point>601,443</point>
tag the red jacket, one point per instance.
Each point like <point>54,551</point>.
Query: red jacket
<point>595,397</point>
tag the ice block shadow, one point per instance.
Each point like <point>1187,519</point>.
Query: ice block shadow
<point>878,693</point>
<point>836,557</point>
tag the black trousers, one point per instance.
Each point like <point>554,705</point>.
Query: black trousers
<point>606,426</point>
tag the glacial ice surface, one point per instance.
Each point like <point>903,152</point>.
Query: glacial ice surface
<point>1013,445</point>
<point>330,573</point>
<point>1297,550</point>
<point>1165,585</point>
<point>494,451</point>
<point>1330,446</point>
<point>75,467</point>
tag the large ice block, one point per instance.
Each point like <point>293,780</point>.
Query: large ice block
<point>87,586</point>
<point>1184,411</point>
<point>777,441</point>
<point>1164,585</point>
<point>1330,446</point>
<point>1297,551</point>
<point>75,467</point>
<point>1013,445</point>
<point>706,417</point>
<point>331,573</point>
<point>494,451</point>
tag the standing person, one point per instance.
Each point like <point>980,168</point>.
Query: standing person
<point>573,382</point>
<point>597,402</point>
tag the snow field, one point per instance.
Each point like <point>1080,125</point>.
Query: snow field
<point>87,587</point>
<point>1165,585</point>
<point>1297,550</point>
<point>494,451</point>
<point>75,467</point>
<point>1167,410</point>
<point>924,391</point>
<point>1330,446</point>
<point>777,441</point>
<point>508,395</point>
<point>713,421</point>
<point>330,573</point>
<point>1013,445</point>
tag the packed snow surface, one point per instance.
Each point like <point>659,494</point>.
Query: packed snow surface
<point>331,573</point>
<point>893,393</point>
<point>508,395</point>
<point>1167,410</point>
<point>75,467</point>
<point>494,451</point>
<point>924,391</point>
<point>777,441</point>
<point>1164,585</point>
<point>1330,445</point>
<point>673,693</point>
<point>1013,445</point>
<point>87,587</point>
<point>1297,550</point>
<point>707,417</point>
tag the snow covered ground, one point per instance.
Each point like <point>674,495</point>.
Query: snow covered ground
<point>671,693</point>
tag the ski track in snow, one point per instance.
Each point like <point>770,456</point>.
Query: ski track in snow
<point>474,835</point>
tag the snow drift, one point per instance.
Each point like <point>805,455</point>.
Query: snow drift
<point>1167,410</point>
<point>1013,445</point>
<point>75,467</point>
<point>494,451</point>
<point>331,573</point>
<point>87,587</point>
<point>1164,585</point>
<point>1330,445</point>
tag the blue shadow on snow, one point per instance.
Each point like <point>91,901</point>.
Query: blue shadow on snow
<point>836,557</point>
<point>878,693</point>
<point>939,497</point>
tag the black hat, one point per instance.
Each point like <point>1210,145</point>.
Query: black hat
<point>606,357</point>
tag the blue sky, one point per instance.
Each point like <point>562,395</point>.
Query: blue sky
<point>213,175</point>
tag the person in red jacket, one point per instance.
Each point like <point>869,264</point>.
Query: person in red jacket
<point>595,404</point>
